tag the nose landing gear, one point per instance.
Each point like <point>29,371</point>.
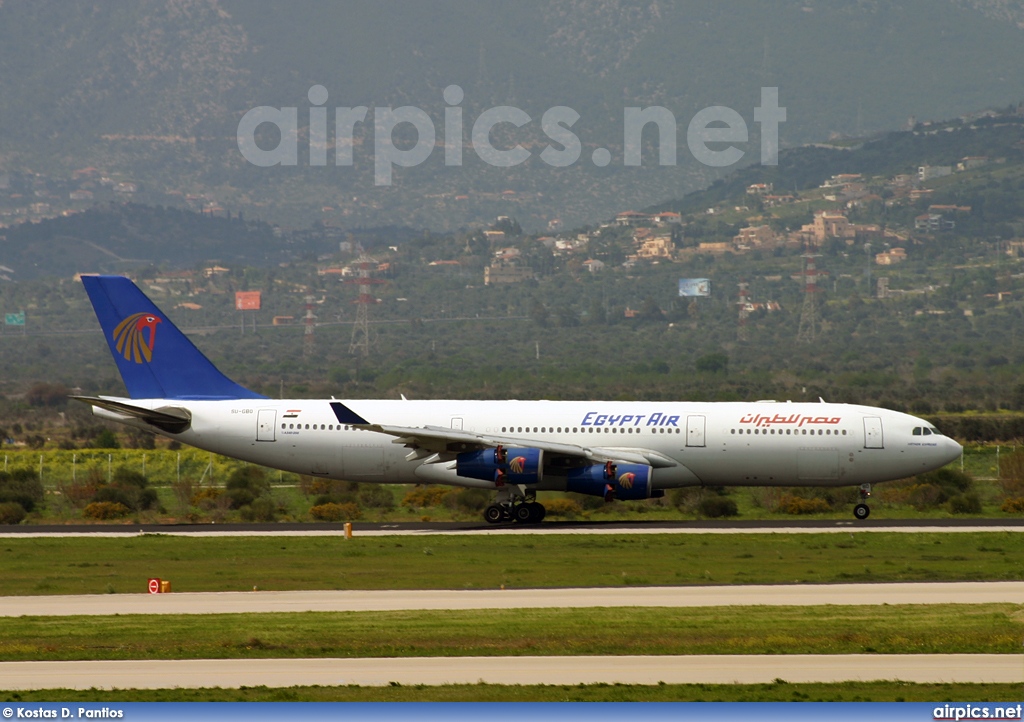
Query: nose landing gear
<point>861,511</point>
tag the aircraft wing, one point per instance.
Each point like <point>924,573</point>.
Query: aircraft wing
<point>443,444</point>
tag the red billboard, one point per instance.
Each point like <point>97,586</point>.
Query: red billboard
<point>247,300</point>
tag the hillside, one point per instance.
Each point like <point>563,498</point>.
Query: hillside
<point>153,93</point>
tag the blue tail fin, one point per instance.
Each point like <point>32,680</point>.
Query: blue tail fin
<point>156,360</point>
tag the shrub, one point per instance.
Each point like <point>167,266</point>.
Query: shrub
<point>21,487</point>
<point>684,498</point>
<point>240,497</point>
<point>113,494</point>
<point>562,507</point>
<point>926,496</point>
<point>106,439</point>
<point>105,510</point>
<point>336,512</point>
<point>11,512</point>
<point>470,500</point>
<point>376,496</point>
<point>965,504</point>
<point>127,477</point>
<point>715,507</point>
<point>790,504</point>
<point>422,496</point>
<point>248,478</point>
<point>262,509</point>
<point>949,480</point>
<point>128,489</point>
<point>1014,506</point>
<point>588,502</point>
<point>206,497</point>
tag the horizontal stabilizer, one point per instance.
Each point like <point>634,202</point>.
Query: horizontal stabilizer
<point>171,419</point>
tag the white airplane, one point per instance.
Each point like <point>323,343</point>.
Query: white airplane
<point>615,450</point>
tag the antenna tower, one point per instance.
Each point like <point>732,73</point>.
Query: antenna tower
<point>810,321</point>
<point>362,338</point>
<point>743,303</point>
<point>310,321</point>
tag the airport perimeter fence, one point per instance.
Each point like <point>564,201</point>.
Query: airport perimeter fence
<point>159,467</point>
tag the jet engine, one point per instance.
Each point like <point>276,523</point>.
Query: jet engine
<point>612,481</point>
<point>501,465</point>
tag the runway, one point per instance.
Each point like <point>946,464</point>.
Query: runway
<point>696,669</point>
<point>625,598</point>
<point>367,529</point>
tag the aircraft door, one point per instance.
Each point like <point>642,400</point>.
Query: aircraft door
<point>873,433</point>
<point>695,431</point>
<point>266,423</point>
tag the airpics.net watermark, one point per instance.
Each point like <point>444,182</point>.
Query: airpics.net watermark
<point>715,124</point>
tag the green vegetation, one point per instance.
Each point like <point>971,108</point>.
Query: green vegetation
<point>161,485</point>
<point>919,629</point>
<point>778,691</point>
<point>195,564</point>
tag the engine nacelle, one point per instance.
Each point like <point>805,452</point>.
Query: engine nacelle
<point>612,481</point>
<point>501,465</point>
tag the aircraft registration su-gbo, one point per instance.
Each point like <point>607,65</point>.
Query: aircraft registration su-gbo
<point>615,450</point>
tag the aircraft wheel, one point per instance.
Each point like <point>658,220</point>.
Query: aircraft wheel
<point>523,513</point>
<point>537,513</point>
<point>861,511</point>
<point>494,514</point>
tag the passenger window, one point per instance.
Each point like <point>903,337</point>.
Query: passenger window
<point>283,425</point>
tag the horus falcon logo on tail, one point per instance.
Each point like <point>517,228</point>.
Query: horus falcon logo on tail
<point>131,340</point>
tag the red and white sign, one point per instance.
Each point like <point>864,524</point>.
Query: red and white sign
<point>247,300</point>
<point>154,586</point>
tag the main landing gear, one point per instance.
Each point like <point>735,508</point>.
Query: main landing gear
<point>861,511</point>
<point>525,512</point>
<point>515,504</point>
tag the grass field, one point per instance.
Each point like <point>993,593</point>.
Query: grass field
<point>98,565</point>
<point>896,629</point>
<point>779,691</point>
<point>194,564</point>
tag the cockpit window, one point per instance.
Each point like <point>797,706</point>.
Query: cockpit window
<point>917,431</point>
<point>935,431</point>
<point>927,431</point>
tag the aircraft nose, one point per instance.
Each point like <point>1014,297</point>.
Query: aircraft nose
<point>951,450</point>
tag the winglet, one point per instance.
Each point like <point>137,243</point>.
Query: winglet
<point>156,360</point>
<point>346,415</point>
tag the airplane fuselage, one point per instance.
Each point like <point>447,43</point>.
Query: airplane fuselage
<point>686,443</point>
